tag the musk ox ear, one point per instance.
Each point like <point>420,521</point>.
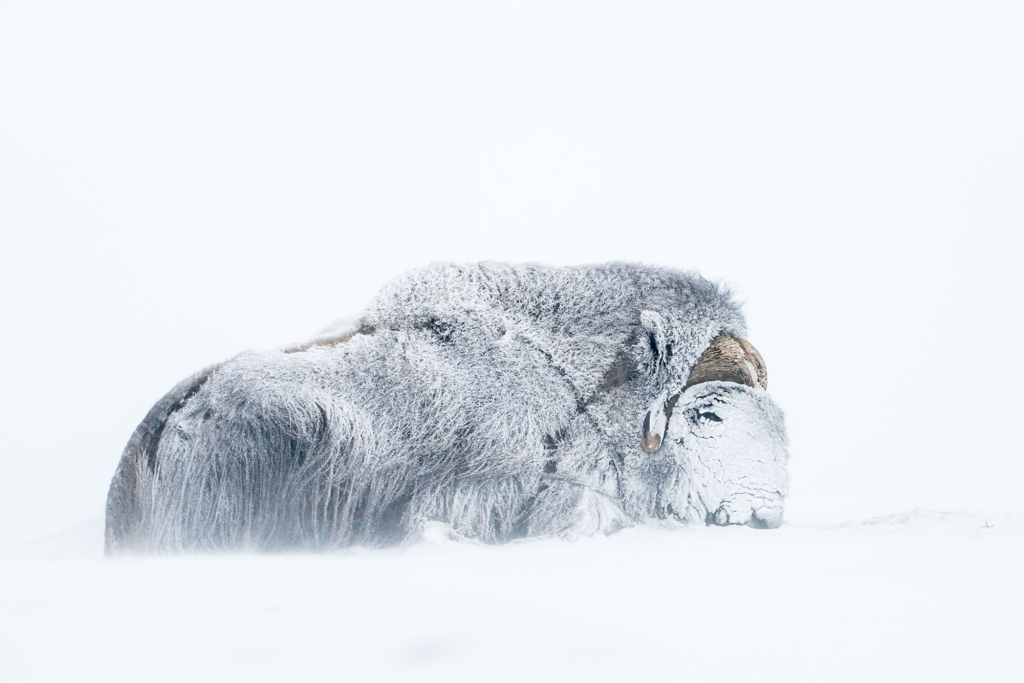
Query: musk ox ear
<point>656,328</point>
<point>730,359</point>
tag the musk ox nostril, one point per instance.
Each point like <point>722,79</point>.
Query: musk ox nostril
<point>757,523</point>
<point>766,519</point>
<point>719,517</point>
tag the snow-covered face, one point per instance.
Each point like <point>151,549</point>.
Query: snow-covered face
<point>730,444</point>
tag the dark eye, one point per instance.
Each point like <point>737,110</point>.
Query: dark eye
<point>711,417</point>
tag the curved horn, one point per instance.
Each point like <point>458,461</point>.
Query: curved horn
<point>655,424</point>
<point>650,442</point>
<point>730,359</point>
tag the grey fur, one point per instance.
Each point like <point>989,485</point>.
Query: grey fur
<point>502,400</point>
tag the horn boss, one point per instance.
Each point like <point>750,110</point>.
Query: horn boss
<point>727,359</point>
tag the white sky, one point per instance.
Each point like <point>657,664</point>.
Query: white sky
<point>181,181</point>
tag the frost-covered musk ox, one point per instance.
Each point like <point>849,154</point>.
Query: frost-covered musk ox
<point>502,400</point>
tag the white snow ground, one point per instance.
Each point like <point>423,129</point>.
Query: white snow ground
<point>926,596</point>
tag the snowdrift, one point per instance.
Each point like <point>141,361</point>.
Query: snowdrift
<point>922,595</point>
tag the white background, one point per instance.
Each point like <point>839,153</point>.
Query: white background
<point>181,181</point>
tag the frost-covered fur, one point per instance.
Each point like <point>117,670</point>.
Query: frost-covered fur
<point>502,400</point>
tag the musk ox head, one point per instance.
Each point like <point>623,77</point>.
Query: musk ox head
<point>729,442</point>
<point>716,445</point>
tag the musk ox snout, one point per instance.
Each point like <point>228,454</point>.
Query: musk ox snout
<point>732,441</point>
<point>767,514</point>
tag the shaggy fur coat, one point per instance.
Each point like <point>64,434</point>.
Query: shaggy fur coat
<point>501,400</point>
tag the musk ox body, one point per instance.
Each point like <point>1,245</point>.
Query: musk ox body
<point>501,400</point>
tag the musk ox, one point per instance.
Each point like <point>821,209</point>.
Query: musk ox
<point>501,400</point>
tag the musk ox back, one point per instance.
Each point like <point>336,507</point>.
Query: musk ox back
<point>502,400</point>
